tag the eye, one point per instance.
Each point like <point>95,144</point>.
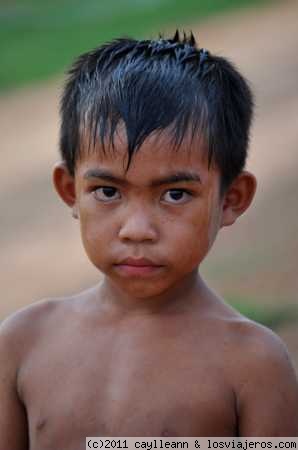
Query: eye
<point>104,193</point>
<point>177,194</point>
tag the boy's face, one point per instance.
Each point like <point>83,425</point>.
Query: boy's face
<point>173,225</point>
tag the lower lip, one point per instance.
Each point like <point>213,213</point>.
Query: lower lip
<point>138,270</point>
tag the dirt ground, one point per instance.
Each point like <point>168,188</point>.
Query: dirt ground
<point>255,260</point>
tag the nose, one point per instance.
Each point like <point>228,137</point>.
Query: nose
<point>138,227</point>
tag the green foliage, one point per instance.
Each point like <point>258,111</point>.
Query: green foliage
<point>40,38</point>
<point>272,317</point>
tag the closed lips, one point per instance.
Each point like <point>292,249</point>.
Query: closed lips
<point>140,262</point>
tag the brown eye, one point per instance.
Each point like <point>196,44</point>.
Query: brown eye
<point>176,195</point>
<point>105,193</point>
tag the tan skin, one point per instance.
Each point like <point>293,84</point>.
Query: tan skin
<point>161,355</point>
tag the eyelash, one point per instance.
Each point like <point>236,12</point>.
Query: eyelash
<point>111,187</point>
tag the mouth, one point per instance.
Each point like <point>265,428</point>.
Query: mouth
<point>138,262</point>
<point>126,269</point>
<point>138,267</point>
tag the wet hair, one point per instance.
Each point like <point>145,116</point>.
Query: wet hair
<point>156,85</point>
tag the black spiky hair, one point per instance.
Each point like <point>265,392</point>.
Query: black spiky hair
<point>156,85</point>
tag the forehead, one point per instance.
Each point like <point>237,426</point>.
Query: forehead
<point>157,156</point>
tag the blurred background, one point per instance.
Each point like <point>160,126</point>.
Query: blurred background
<point>253,264</point>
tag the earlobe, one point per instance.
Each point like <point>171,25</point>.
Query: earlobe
<point>65,185</point>
<point>238,197</point>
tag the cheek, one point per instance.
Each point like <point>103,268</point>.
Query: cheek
<point>201,229</point>
<point>95,232</point>
<point>190,239</point>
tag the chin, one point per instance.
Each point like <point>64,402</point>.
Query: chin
<point>141,289</point>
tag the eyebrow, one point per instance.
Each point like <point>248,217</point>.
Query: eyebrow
<point>175,177</point>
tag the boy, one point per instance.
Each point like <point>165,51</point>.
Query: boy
<point>154,139</point>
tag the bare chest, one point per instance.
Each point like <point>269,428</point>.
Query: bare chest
<point>119,388</point>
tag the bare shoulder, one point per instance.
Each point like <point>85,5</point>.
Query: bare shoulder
<point>37,322</point>
<point>28,327</point>
<point>20,328</point>
<point>254,348</point>
<point>250,343</point>
<point>258,348</point>
<point>265,382</point>
<point>21,335</point>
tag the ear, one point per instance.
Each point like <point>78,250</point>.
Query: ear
<point>238,197</point>
<point>64,184</point>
